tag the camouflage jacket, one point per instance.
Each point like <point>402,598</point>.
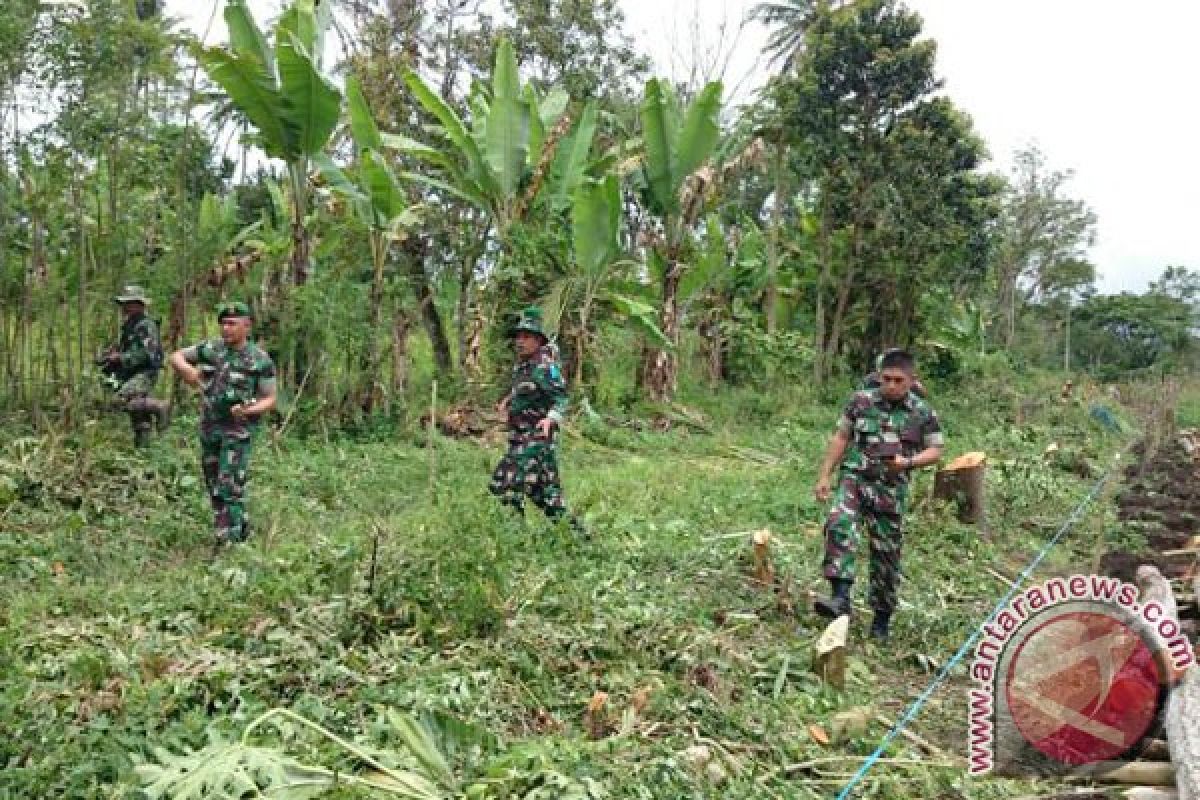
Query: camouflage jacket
<point>879,430</point>
<point>232,377</point>
<point>139,347</point>
<point>538,392</point>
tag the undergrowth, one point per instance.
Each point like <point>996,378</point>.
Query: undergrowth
<point>642,662</point>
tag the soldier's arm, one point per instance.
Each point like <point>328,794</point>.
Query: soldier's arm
<point>932,443</point>
<point>550,380</point>
<point>266,399</point>
<point>183,362</point>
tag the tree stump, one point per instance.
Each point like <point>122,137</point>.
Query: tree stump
<point>962,480</point>
<point>829,658</point>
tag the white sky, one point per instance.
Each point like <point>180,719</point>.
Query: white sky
<point>1106,89</point>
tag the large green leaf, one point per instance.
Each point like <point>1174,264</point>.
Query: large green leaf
<point>711,264</point>
<point>507,123</point>
<point>419,150</point>
<point>341,183</point>
<point>596,220</point>
<point>298,20</point>
<point>464,191</point>
<point>537,126</point>
<point>253,92</point>
<point>658,139</point>
<point>452,126</point>
<point>246,38</point>
<point>696,140</point>
<point>572,158</point>
<point>362,123</point>
<point>387,199</point>
<point>312,104</point>
<point>644,316</point>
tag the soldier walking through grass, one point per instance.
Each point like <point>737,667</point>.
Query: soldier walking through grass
<point>883,434</point>
<point>535,406</point>
<point>133,364</point>
<point>236,380</point>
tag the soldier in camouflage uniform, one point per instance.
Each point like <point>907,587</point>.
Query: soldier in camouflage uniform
<point>236,380</point>
<point>133,364</point>
<point>535,407</point>
<point>882,435</point>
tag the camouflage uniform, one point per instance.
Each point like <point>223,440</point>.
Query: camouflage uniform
<point>235,377</point>
<point>140,357</point>
<point>867,494</point>
<point>530,467</point>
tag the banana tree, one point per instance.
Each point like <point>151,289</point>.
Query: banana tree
<point>374,194</point>
<point>281,91</point>
<point>517,148</point>
<point>675,184</point>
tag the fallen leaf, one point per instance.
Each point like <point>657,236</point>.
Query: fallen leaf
<point>58,569</point>
<point>819,735</point>
<point>597,702</point>
<point>640,699</point>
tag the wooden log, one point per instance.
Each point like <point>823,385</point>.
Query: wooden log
<point>962,480</point>
<point>1182,716</point>
<point>1149,793</point>
<point>1155,750</point>
<point>829,657</point>
<point>1138,773</point>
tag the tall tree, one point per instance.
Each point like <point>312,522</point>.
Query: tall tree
<point>1041,229</point>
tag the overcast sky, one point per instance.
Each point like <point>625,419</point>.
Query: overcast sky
<point>1106,89</point>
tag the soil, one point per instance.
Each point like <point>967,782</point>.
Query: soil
<point>1161,498</point>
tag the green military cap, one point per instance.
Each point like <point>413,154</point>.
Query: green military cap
<point>530,321</point>
<point>132,294</point>
<point>233,309</point>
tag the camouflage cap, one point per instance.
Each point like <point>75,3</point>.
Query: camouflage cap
<point>132,294</point>
<point>530,321</point>
<point>233,309</point>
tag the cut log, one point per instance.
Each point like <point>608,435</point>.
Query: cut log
<point>962,480</point>
<point>829,657</point>
<point>1149,793</point>
<point>1138,773</point>
<point>1155,750</point>
<point>1182,717</point>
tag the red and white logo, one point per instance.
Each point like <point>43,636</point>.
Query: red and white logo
<point>1083,687</point>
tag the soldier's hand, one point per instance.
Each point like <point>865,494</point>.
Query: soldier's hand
<point>896,464</point>
<point>238,412</point>
<point>112,357</point>
<point>502,405</point>
<point>822,491</point>
<point>544,427</point>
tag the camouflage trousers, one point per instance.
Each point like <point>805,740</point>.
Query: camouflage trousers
<point>225,457</point>
<point>879,507</point>
<point>133,396</point>
<point>530,467</point>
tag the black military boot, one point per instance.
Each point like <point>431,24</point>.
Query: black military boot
<point>838,603</point>
<point>880,624</point>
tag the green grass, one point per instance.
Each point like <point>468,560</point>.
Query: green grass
<point>119,633</point>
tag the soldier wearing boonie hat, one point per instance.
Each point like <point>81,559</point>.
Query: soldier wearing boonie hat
<point>133,364</point>
<point>535,406</point>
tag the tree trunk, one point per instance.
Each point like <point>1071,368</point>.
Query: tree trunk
<point>431,319</point>
<point>372,385</point>
<point>301,244</point>
<point>660,367</point>
<point>825,246</point>
<point>771,292</point>
<point>400,327</point>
